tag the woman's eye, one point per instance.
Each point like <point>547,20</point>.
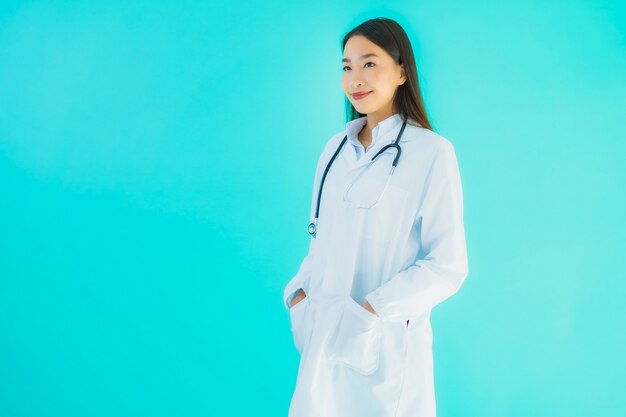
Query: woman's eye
<point>344,68</point>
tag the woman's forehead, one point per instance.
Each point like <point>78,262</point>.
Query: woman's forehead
<point>361,48</point>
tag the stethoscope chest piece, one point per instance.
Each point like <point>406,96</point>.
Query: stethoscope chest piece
<point>313,229</point>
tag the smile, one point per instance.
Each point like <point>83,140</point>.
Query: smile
<point>359,96</point>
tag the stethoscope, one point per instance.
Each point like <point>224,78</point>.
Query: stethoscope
<point>313,225</point>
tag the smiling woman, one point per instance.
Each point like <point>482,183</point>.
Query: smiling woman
<point>371,78</point>
<point>374,66</point>
<point>387,243</point>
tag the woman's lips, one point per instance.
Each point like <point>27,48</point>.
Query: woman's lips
<point>359,96</point>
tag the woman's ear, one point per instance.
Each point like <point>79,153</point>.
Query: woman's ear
<point>402,75</point>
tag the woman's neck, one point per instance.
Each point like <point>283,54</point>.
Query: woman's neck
<point>365,135</point>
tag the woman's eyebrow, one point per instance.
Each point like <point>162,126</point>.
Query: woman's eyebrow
<point>362,57</point>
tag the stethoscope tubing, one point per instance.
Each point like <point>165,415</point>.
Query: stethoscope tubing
<point>313,226</point>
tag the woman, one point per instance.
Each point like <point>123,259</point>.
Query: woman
<point>387,243</point>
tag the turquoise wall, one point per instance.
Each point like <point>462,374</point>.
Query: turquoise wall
<point>156,163</point>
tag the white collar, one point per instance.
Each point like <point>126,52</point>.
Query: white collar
<point>353,127</point>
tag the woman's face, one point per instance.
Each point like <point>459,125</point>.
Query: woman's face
<point>376,73</point>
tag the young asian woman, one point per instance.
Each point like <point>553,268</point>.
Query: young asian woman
<point>387,243</point>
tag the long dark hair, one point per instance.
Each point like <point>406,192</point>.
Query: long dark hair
<point>390,36</point>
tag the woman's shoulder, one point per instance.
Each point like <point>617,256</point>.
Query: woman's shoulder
<point>329,149</point>
<point>335,140</point>
<point>424,139</point>
<point>332,144</point>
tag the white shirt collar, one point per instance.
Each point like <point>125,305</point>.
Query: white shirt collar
<point>383,127</point>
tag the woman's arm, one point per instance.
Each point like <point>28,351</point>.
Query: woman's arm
<point>440,273</point>
<point>301,279</point>
<point>297,283</point>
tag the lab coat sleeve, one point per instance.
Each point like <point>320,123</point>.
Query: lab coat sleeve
<point>300,280</point>
<point>441,270</point>
<point>302,277</point>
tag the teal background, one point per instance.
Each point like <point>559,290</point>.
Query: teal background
<point>156,164</point>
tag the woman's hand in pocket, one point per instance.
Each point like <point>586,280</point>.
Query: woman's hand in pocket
<point>369,307</point>
<point>297,298</point>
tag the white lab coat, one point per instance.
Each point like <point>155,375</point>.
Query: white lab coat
<point>405,255</point>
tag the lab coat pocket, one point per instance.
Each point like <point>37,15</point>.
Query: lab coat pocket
<point>355,339</point>
<point>380,222</point>
<point>298,317</point>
